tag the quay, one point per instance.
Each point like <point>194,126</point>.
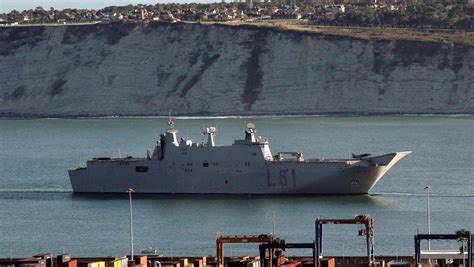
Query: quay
<point>271,253</point>
<point>65,260</point>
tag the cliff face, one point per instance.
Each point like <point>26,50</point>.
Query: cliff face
<point>130,69</point>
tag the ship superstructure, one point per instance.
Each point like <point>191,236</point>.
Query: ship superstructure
<point>245,167</point>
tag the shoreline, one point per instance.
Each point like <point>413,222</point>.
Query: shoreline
<point>230,116</point>
<point>179,117</point>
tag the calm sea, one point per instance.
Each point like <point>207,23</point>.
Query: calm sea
<point>38,212</point>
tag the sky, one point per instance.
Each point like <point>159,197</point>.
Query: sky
<point>8,5</point>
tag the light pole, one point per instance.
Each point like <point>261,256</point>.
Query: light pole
<point>428,189</point>
<point>130,191</point>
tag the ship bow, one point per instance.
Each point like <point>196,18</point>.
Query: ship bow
<point>386,161</point>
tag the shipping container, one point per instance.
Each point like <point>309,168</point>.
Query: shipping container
<point>125,262</point>
<point>96,264</point>
<point>44,256</point>
<point>48,257</point>
<point>114,263</point>
<point>292,264</point>
<point>234,263</point>
<point>328,262</point>
<point>63,258</point>
<point>281,260</point>
<point>72,263</point>
<point>141,260</point>
<point>251,264</point>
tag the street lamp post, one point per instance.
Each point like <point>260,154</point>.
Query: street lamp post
<point>428,189</point>
<point>130,191</point>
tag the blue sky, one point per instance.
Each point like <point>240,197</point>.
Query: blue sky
<point>8,5</point>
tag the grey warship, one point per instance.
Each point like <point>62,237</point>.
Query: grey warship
<point>245,167</point>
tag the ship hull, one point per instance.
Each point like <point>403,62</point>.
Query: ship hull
<point>319,177</point>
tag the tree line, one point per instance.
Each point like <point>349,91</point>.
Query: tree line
<point>419,15</point>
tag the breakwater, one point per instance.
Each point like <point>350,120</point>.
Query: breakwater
<point>193,69</point>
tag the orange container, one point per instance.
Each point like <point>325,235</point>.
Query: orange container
<point>141,260</point>
<point>281,260</point>
<point>328,262</point>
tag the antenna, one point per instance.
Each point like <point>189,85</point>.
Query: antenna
<point>273,222</point>
<point>119,153</point>
<point>203,133</point>
<point>170,121</point>
<point>171,251</point>
<point>396,252</point>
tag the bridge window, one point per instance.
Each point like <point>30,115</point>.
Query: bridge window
<point>205,164</point>
<point>141,168</point>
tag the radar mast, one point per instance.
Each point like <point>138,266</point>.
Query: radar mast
<point>170,122</point>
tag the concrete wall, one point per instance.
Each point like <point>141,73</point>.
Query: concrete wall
<point>129,69</point>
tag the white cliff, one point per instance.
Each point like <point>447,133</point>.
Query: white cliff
<point>148,69</point>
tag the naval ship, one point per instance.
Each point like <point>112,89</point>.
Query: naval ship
<point>180,166</point>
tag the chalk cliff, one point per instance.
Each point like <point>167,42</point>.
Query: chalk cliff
<point>192,69</point>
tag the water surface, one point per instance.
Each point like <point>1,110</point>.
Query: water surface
<point>39,213</point>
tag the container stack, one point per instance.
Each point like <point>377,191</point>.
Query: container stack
<point>47,257</point>
<point>91,264</point>
<point>31,262</point>
<point>185,263</point>
<point>139,261</point>
<point>291,264</point>
<point>328,262</point>
<point>254,263</point>
<point>118,262</point>
<point>200,262</point>
<point>245,261</point>
<point>64,260</point>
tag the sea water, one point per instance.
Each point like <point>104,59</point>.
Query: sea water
<point>39,213</point>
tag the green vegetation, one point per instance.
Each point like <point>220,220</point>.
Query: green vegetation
<point>419,15</point>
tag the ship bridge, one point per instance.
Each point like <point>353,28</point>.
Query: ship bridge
<point>251,145</point>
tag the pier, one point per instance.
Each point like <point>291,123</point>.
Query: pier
<point>271,253</point>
